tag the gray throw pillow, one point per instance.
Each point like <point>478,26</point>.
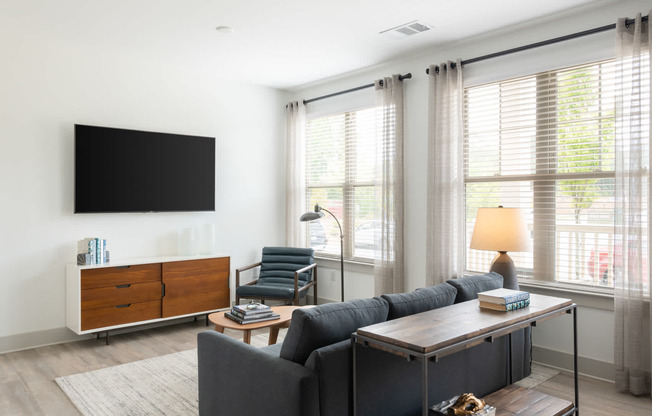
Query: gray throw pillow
<point>469,287</point>
<point>313,328</point>
<point>421,300</point>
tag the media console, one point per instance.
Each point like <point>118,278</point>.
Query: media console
<point>132,292</point>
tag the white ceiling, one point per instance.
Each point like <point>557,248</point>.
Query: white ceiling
<point>277,43</point>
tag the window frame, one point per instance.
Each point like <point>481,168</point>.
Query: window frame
<point>544,178</point>
<point>347,187</point>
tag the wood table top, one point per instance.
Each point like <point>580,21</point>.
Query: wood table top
<point>451,325</point>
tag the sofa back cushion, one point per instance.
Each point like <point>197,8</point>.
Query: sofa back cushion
<point>313,328</point>
<point>421,300</point>
<point>469,287</point>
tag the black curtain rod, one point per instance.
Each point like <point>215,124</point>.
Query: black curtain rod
<point>362,87</point>
<point>542,43</point>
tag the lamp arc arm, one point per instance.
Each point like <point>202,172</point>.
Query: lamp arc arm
<point>336,220</point>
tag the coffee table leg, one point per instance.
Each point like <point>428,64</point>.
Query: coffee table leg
<point>247,336</point>
<point>219,328</point>
<point>273,335</point>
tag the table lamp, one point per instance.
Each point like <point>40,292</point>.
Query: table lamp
<point>501,229</point>
<point>317,214</point>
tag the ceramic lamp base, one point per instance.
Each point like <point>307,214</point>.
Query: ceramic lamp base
<point>504,266</point>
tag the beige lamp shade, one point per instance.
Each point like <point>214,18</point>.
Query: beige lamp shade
<point>500,229</point>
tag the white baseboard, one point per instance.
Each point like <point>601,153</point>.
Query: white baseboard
<point>37,339</point>
<point>29,340</point>
<point>601,370</point>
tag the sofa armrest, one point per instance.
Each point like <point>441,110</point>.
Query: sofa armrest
<point>332,364</point>
<point>237,379</point>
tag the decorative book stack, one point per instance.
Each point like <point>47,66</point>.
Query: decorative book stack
<point>92,251</point>
<point>251,312</point>
<point>504,299</point>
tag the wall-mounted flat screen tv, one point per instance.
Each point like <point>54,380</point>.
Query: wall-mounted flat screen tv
<point>118,170</point>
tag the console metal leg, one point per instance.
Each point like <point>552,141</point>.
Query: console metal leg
<point>577,394</point>
<point>424,382</point>
<point>354,378</point>
<point>510,363</point>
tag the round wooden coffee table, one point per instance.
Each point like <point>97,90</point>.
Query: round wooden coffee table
<point>220,321</point>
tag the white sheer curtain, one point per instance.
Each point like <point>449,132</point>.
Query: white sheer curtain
<point>388,256</point>
<point>632,274</point>
<point>295,175</point>
<point>445,239</point>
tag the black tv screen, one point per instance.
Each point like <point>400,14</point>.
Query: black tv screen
<point>118,170</point>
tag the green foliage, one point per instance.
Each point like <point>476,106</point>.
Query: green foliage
<point>585,135</point>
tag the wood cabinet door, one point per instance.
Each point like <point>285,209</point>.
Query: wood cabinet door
<point>194,286</point>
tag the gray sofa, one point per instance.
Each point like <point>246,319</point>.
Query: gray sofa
<point>310,372</point>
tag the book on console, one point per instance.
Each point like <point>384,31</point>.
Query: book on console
<point>512,306</point>
<point>251,321</point>
<point>503,296</point>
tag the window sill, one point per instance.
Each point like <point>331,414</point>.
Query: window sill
<point>589,297</point>
<point>349,265</point>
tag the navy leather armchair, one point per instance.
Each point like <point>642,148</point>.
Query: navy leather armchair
<point>286,273</point>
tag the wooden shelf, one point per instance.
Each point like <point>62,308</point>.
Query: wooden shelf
<point>518,401</point>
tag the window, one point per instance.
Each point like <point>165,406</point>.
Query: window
<point>340,160</point>
<point>545,143</point>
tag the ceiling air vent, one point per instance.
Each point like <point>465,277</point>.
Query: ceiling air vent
<point>407,29</point>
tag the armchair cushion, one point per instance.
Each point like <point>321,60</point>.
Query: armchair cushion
<point>421,300</point>
<point>313,328</point>
<point>469,287</point>
<point>280,263</point>
<point>277,268</point>
<point>270,290</point>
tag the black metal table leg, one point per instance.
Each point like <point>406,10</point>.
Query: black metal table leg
<point>577,394</point>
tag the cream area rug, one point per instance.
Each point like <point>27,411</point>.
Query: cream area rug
<point>167,385</point>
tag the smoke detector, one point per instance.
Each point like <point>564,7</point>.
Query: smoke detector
<point>407,29</point>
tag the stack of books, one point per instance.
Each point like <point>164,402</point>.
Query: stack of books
<point>92,251</point>
<point>504,299</point>
<point>251,312</point>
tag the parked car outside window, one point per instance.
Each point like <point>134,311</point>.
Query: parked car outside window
<point>367,234</point>
<point>318,239</point>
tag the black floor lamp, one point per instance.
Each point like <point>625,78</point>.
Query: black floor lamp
<point>317,214</point>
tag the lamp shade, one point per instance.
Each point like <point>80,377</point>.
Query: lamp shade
<point>311,216</point>
<point>500,229</point>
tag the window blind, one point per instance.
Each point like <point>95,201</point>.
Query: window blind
<point>545,143</point>
<point>340,164</point>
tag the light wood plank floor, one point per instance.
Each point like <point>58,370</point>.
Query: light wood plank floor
<point>27,386</point>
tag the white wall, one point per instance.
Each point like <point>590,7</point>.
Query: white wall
<point>47,87</point>
<point>600,343</point>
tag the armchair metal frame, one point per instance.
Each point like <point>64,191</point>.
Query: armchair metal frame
<point>297,290</point>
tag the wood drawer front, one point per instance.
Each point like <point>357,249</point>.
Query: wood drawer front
<point>195,286</point>
<point>120,295</point>
<point>113,276</point>
<point>109,316</point>
<point>193,268</point>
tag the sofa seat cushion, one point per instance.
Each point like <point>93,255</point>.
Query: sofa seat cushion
<point>270,288</point>
<point>421,300</point>
<point>313,328</point>
<point>469,287</point>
